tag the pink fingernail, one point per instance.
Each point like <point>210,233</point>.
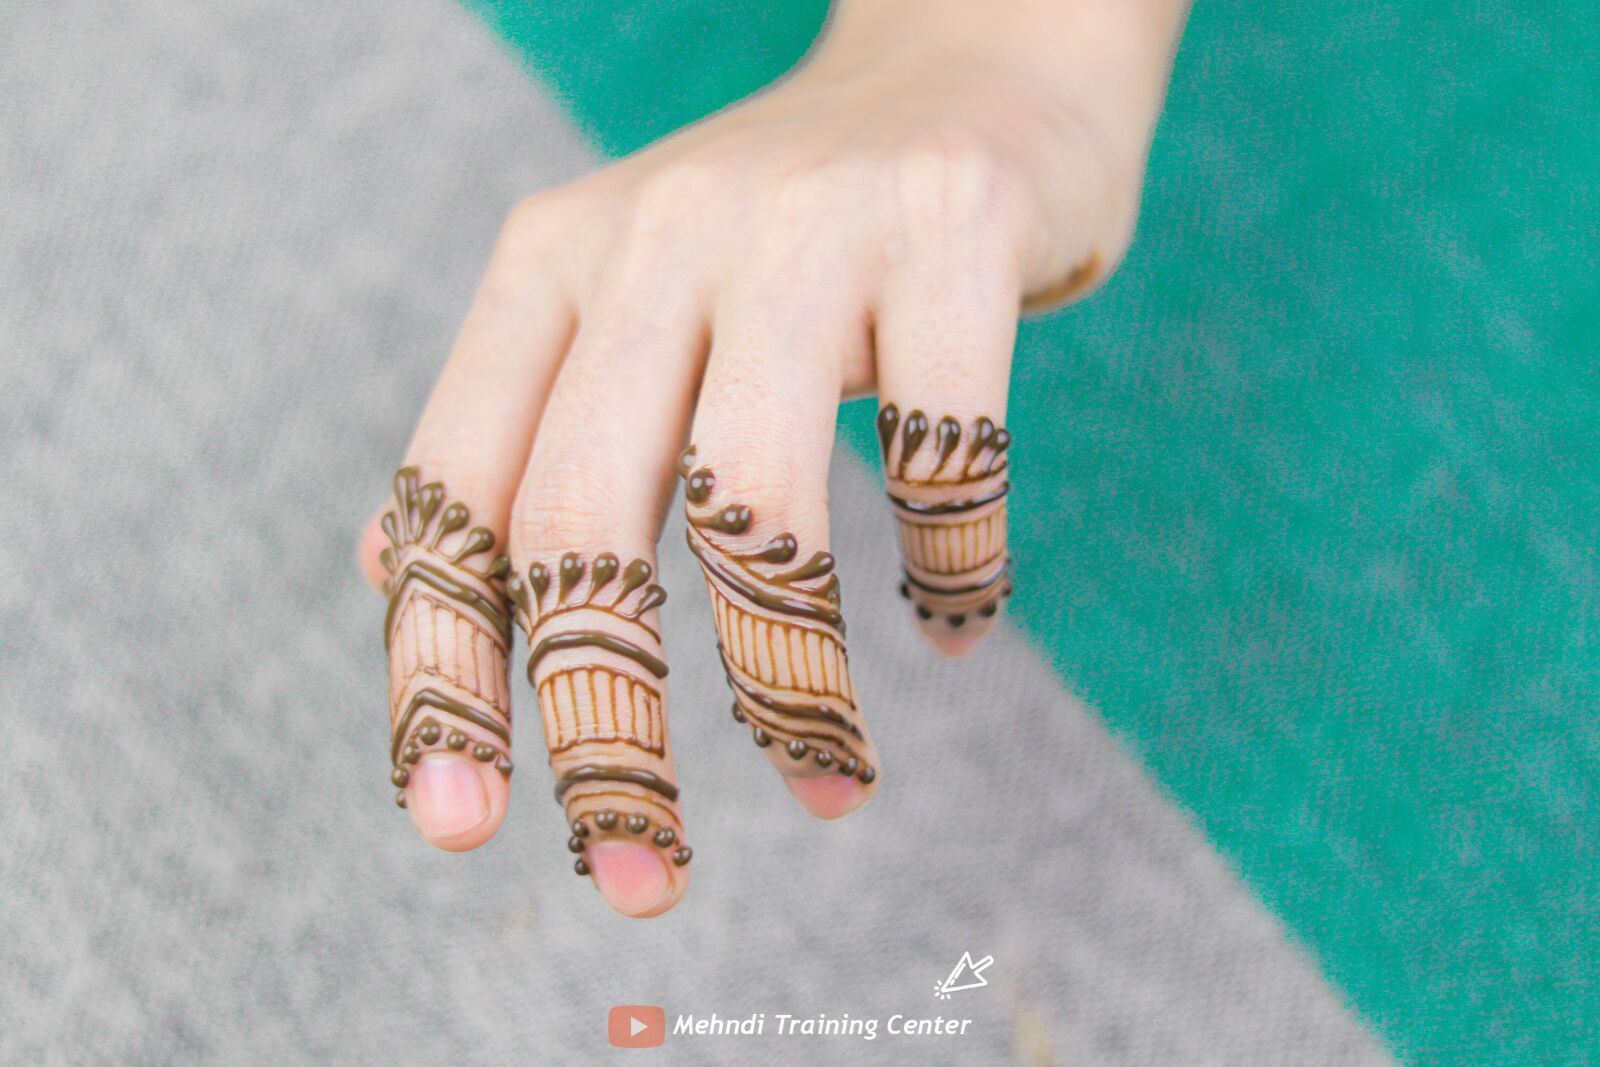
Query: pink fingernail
<point>828,796</point>
<point>633,879</point>
<point>952,639</point>
<point>446,797</point>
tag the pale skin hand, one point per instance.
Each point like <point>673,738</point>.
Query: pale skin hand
<point>874,223</point>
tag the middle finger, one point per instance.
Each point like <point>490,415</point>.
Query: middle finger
<point>584,530</point>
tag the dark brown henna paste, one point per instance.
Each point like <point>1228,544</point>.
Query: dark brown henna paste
<point>949,492</point>
<point>448,631</point>
<point>780,633</point>
<point>596,666</point>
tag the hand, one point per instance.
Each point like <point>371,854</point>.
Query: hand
<point>875,222</point>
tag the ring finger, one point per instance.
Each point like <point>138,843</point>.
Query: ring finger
<point>756,496</point>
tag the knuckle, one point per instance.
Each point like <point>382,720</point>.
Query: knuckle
<point>953,179</point>
<point>530,219</point>
<point>781,491</point>
<point>546,221</point>
<point>563,506</point>
<point>806,192</point>
<point>821,204</point>
<point>671,193</point>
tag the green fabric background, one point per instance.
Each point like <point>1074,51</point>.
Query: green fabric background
<point>1305,498</point>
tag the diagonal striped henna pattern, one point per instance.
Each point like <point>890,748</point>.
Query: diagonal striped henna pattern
<point>948,485</point>
<point>595,663</point>
<point>780,634</point>
<point>448,631</point>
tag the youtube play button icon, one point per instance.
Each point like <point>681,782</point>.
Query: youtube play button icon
<point>636,1026</point>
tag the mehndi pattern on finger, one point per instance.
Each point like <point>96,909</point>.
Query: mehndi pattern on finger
<point>779,632</point>
<point>447,631</point>
<point>602,708</point>
<point>948,486</point>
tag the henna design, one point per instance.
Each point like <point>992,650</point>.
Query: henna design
<point>948,486</point>
<point>779,632</point>
<point>447,632</point>
<point>603,712</point>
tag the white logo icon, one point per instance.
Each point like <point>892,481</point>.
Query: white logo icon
<point>634,1026</point>
<point>967,975</point>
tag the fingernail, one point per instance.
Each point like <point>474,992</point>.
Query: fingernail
<point>828,796</point>
<point>633,879</point>
<point>955,635</point>
<point>446,797</point>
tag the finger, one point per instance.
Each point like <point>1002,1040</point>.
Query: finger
<point>587,518</point>
<point>945,332</point>
<point>489,394</point>
<point>756,496</point>
<point>447,630</point>
<point>369,550</point>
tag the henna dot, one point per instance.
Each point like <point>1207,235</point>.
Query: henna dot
<point>400,798</point>
<point>580,828</point>
<point>483,753</point>
<point>797,749</point>
<point>867,775</point>
<point>699,486</point>
<point>606,820</point>
<point>923,613</point>
<point>760,737</point>
<point>581,868</point>
<point>683,855</point>
<point>503,765</point>
<point>738,712</point>
<point>574,843</point>
<point>780,549</point>
<point>733,520</point>
<point>411,753</point>
<point>849,767</point>
<point>905,591</point>
<point>457,740</point>
<point>665,838</point>
<point>956,621</point>
<point>400,776</point>
<point>429,734</point>
<point>989,610</point>
<point>638,824</point>
<point>824,759</point>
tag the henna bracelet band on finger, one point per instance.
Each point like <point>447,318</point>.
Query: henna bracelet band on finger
<point>780,634</point>
<point>447,632</point>
<point>596,666</point>
<point>948,489</point>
